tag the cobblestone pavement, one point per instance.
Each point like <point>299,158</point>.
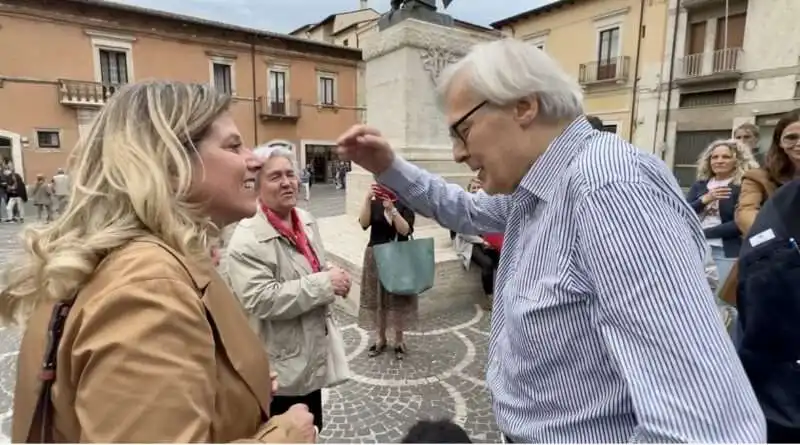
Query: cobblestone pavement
<point>441,377</point>
<point>325,201</point>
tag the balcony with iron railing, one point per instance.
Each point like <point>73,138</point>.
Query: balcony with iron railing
<point>720,65</point>
<point>613,70</point>
<point>279,110</point>
<point>81,94</point>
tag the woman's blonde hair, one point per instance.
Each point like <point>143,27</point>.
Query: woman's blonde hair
<point>742,154</point>
<point>130,176</point>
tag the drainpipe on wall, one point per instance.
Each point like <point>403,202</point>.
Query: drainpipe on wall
<point>634,95</point>
<point>255,94</point>
<point>671,78</point>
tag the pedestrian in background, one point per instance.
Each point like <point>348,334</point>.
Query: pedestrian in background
<point>42,195</point>
<point>305,183</point>
<point>61,186</point>
<point>388,220</point>
<point>17,193</point>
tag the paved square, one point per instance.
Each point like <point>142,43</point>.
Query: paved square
<point>441,377</point>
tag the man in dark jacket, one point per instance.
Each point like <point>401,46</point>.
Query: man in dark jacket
<point>768,334</point>
<point>17,195</point>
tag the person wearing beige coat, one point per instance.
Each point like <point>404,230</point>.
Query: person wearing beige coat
<point>130,333</point>
<point>275,264</point>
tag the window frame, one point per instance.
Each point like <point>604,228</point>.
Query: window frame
<point>38,132</point>
<point>286,88</point>
<point>598,50</point>
<point>614,124</point>
<point>120,44</point>
<point>231,64</point>
<point>326,76</point>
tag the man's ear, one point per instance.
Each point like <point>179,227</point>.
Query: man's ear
<point>526,110</point>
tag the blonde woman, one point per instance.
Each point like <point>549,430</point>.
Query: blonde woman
<point>715,193</point>
<point>120,291</point>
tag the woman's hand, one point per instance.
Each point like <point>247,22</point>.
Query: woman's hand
<point>273,377</point>
<point>716,194</point>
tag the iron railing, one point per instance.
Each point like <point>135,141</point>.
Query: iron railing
<point>279,109</point>
<point>612,69</point>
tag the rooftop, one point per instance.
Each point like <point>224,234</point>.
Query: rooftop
<point>290,42</point>
<point>557,4</point>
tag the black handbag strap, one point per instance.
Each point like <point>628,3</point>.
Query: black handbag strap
<point>41,429</point>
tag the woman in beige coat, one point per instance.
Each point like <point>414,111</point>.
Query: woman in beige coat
<point>131,335</point>
<point>275,263</point>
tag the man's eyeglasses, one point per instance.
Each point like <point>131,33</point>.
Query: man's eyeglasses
<point>455,133</point>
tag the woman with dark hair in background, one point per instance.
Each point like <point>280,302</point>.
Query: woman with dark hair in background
<point>388,220</point>
<point>781,165</point>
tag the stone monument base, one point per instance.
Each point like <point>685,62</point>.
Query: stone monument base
<point>453,286</point>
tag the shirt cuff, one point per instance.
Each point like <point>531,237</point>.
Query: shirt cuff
<point>400,175</point>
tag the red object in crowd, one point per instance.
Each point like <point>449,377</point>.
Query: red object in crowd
<point>382,193</point>
<point>495,240</point>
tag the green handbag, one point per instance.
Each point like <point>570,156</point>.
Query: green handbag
<point>406,267</point>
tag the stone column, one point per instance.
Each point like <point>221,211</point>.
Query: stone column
<point>402,63</point>
<point>86,117</point>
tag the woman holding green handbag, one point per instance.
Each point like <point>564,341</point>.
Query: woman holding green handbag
<point>388,220</point>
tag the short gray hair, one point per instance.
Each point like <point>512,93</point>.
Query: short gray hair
<point>275,150</point>
<point>505,71</point>
<point>269,151</point>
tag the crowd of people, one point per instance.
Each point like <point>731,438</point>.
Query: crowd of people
<point>604,323</point>
<point>48,197</point>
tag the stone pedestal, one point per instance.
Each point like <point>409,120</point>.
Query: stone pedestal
<point>402,63</point>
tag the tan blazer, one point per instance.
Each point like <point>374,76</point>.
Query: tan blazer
<point>287,303</point>
<point>155,349</point>
<point>757,187</point>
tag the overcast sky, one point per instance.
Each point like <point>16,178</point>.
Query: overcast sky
<point>287,15</point>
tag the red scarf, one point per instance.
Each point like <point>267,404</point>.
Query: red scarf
<point>296,235</point>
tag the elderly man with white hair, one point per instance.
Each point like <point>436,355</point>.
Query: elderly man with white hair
<point>275,264</point>
<point>604,328</point>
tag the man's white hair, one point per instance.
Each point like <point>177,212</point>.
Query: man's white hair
<point>505,71</point>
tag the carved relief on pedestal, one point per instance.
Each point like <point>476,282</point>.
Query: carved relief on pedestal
<point>435,58</point>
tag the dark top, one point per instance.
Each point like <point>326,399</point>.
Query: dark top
<point>381,231</point>
<point>727,230</point>
<point>768,301</point>
<point>760,157</point>
<point>16,188</point>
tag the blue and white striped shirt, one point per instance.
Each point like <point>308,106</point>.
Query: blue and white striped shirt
<point>604,328</point>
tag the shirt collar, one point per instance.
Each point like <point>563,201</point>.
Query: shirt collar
<point>542,178</point>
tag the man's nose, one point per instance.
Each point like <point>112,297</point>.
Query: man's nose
<point>460,152</point>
